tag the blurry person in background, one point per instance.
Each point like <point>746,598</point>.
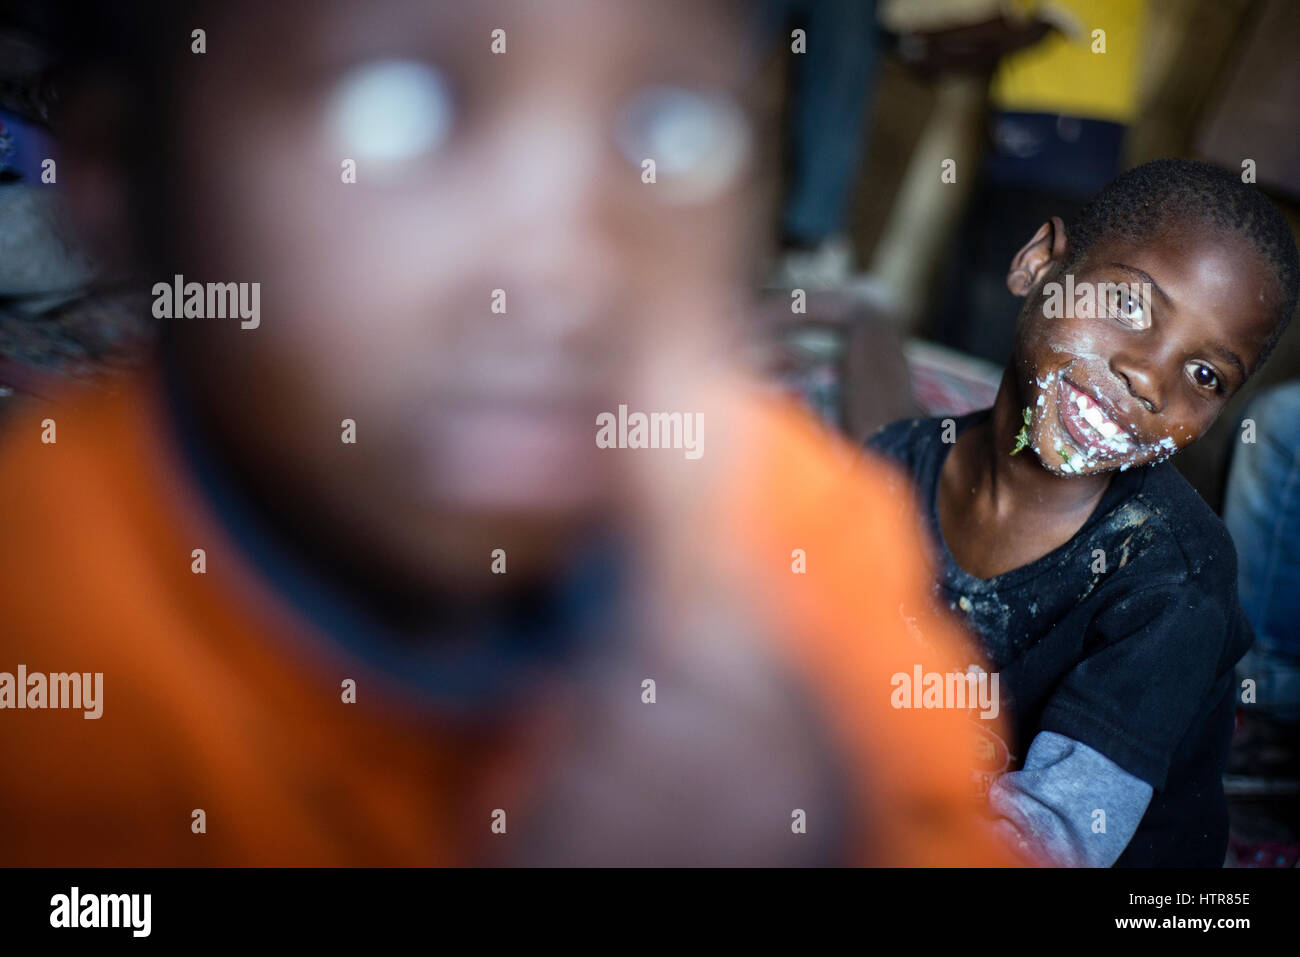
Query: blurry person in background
<point>833,65</point>
<point>50,331</point>
<point>372,564</point>
<point>1262,512</point>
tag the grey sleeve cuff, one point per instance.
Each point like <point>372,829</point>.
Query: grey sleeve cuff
<point>1069,806</point>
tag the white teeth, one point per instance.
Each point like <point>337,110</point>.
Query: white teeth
<point>1093,415</point>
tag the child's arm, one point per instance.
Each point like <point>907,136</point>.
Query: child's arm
<point>1048,810</point>
<point>1111,728</point>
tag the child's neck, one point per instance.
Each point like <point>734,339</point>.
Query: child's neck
<point>998,511</point>
<point>1018,483</point>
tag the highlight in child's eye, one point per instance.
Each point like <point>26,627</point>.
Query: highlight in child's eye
<point>1205,377</point>
<point>391,111</point>
<point>698,141</point>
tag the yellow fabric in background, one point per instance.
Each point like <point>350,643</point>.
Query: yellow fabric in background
<point>1062,74</point>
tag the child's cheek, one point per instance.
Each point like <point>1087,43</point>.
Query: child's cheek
<point>1077,339</point>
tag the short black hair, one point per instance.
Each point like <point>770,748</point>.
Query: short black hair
<point>1138,203</point>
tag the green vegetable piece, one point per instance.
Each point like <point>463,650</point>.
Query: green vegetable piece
<point>1022,437</point>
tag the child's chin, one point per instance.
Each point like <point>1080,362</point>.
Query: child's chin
<point>1065,470</point>
<point>1062,454</point>
<point>1080,465</point>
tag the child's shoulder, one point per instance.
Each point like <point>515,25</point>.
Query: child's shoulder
<point>1167,523</point>
<point>904,439</point>
<point>891,434</point>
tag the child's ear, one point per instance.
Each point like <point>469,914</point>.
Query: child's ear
<point>1035,257</point>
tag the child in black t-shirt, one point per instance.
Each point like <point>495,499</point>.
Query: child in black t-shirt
<point>1105,592</point>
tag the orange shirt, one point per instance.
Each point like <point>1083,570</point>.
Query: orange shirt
<point>218,697</point>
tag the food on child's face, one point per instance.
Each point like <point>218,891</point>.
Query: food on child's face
<point>1087,432</point>
<point>1089,425</point>
<point>1022,437</point>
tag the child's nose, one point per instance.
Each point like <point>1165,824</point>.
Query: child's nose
<point>549,199</point>
<point>1141,380</point>
<point>550,170</point>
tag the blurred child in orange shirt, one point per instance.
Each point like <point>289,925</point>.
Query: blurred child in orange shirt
<point>361,577</point>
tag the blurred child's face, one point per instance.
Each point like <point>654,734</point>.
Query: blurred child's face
<point>498,274</point>
<point>1142,348</point>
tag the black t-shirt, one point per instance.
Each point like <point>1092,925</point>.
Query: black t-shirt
<point>1124,638</point>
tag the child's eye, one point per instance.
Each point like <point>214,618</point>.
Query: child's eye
<point>698,141</point>
<point>1125,306</point>
<point>390,111</point>
<point>1205,377</point>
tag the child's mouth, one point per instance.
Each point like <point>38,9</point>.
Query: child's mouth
<point>1089,427</point>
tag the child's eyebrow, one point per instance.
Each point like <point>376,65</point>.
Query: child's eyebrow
<point>1146,277</point>
<point>1231,357</point>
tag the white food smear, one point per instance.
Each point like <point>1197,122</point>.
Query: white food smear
<point>1114,439</point>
